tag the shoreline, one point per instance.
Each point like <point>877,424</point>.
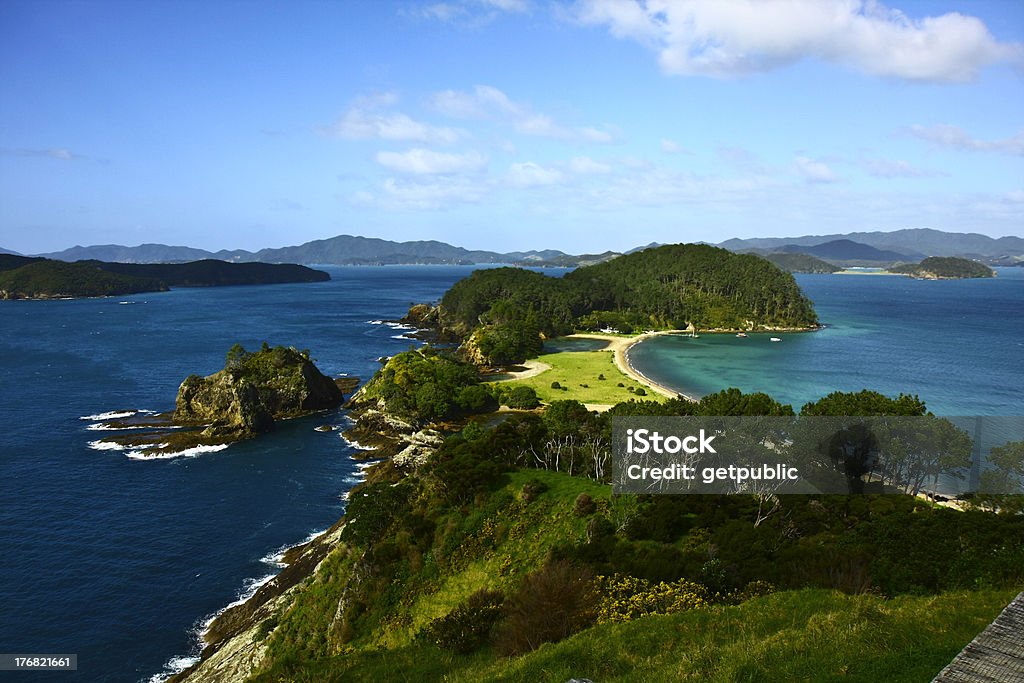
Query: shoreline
<point>619,346</point>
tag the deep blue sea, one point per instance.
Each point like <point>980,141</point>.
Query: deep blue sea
<point>122,561</point>
<point>119,560</point>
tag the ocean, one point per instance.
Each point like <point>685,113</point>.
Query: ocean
<point>958,344</point>
<point>123,561</point>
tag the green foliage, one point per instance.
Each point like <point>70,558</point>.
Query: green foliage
<point>801,263</point>
<point>864,403</point>
<point>946,267</point>
<point>664,287</point>
<point>426,386</point>
<point>521,397</point>
<point>468,626</point>
<point>735,402</point>
<point>59,279</point>
<point>623,598</point>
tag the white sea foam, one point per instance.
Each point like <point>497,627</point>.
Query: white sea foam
<point>104,427</point>
<point>399,326</point>
<point>352,443</point>
<point>174,665</point>
<point>112,415</point>
<point>187,453</point>
<point>101,445</point>
<point>367,464</point>
<point>374,322</point>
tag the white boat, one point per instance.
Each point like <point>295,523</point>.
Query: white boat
<point>741,334</point>
<point>774,339</point>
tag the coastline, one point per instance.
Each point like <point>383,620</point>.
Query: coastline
<point>619,346</point>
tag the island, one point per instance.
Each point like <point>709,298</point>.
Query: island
<point>801,263</point>
<point>944,268</point>
<point>253,391</point>
<point>23,277</point>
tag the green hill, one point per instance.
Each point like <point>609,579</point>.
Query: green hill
<point>37,278</point>
<point>801,263</point>
<point>667,287</point>
<point>945,268</point>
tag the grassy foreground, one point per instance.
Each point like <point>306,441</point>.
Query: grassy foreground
<point>574,369</point>
<point>806,635</point>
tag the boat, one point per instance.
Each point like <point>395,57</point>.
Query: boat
<point>741,334</point>
<point>774,339</point>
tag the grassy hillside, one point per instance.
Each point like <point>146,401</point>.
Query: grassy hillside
<point>584,376</point>
<point>807,635</point>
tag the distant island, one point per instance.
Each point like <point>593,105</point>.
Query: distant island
<point>944,268</point>
<point>873,249</point>
<point>801,263</point>
<point>23,277</point>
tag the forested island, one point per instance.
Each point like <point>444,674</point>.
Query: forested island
<point>801,263</point>
<point>486,544</point>
<point>944,268</point>
<point>504,313</point>
<point>23,277</point>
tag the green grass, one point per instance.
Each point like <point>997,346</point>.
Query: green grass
<point>498,554</point>
<point>808,635</point>
<point>572,369</point>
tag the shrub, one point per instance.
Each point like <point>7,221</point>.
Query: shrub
<point>556,385</point>
<point>466,627</point>
<point>601,376</point>
<point>640,391</point>
<point>532,489</point>
<point>522,397</point>
<point>552,603</point>
<point>622,598</point>
<point>620,384</point>
<point>584,505</point>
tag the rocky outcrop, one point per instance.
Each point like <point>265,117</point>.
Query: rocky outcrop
<point>254,390</point>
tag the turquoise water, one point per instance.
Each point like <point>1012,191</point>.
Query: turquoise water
<point>958,344</point>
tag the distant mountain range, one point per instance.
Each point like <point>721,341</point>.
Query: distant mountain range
<point>857,248</point>
<point>909,245</point>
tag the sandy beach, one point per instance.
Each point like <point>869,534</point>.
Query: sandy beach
<point>620,346</point>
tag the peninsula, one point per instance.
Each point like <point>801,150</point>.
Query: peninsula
<point>23,277</point>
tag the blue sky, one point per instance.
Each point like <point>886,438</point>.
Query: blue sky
<point>506,124</point>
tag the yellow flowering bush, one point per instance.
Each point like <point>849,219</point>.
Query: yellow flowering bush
<point>622,598</point>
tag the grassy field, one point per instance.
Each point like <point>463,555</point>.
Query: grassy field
<point>808,635</point>
<point>574,369</point>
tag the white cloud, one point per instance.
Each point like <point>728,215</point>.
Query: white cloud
<point>814,171</point>
<point>472,12</point>
<point>488,102</point>
<point>529,174</point>
<point>363,121</point>
<point>421,161</point>
<point>717,38</point>
<point>896,168</point>
<point>587,166</point>
<point>59,153</point>
<point>945,135</point>
<point>670,147</point>
<point>433,194</point>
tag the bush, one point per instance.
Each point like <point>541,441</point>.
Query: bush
<point>522,397</point>
<point>552,603</point>
<point>466,627</point>
<point>622,598</point>
<point>584,505</point>
<point>620,384</point>
<point>640,391</point>
<point>556,385</point>
<point>532,489</point>
<point>601,376</point>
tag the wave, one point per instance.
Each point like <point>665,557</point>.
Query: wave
<point>101,445</point>
<point>186,453</point>
<point>352,443</point>
<point>367,464</point>
<point>173,667</point>
<point>399,326</point>
<point>111,415</point>
<point>374,322</point>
